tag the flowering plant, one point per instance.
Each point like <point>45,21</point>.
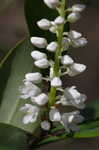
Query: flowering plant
<point>56,112</point>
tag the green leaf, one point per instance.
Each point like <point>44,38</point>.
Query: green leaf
<point>91,111</point>
<point>12,138</point>
<point>87,133</point>
<point>14,66</point>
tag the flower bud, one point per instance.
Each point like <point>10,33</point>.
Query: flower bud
<point>67,60</point>
<point>78,7</point>
<point>59,20</point>
<point>74,35</point>
<point>54,115</point>
<point>56,82</point>
<point>79,42</point>
<point>39,42</point>
<point>66,42</point>
<point>73,17</point>
<point>36,55</point>
<point>44,24</point>
<point>52,46</point>
<point>41,99</point>
<point>45,125</point>
<point>33,77</point>
<point>52,3</point>
<point>76,69</point>
<point>42,63</point>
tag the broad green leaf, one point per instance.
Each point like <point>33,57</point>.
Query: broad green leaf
<point>91,111</point>
<point>87,133</point>
<point>12,138</point>
<point>14,66</point>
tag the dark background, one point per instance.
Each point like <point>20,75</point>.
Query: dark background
<point>13,28</point>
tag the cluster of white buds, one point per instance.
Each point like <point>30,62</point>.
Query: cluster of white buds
<point>59,66</point>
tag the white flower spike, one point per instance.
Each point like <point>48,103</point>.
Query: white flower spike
<point>54,115</point>
<point>36,55</point>
<point>73,17</point>
<point>31,113</point>
<point>29,90</point>
<point>59,20</point>
<point>33,77</point>
<point>67,60</point>
<point>41,99</point>
<point>39,42</point>
<point>52,3</point>
<point>44,24</point>
<point>75,69</point>
<point>56,82</point>
<point>78,7</point>
<point>42,63</point>
<point>52,47</point>
<point>45,125</point>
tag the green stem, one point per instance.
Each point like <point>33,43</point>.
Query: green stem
<point>52,96</point>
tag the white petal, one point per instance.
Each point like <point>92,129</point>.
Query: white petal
<point>76,69</point>
<point>52,46</point>
<point>42,63</point>
<point>54,115</point>
<point>39,42</point>
<point>74,34</point>
<point>78,7</point>
<point>44,24</point>
<point>45,125</point>
<point>36,55</point>
<point>51,72</point>
<point>66,42</point>
<point>67,60</point>
<point>73,17</point>
<point>59,20</point>
<point>41,99</point>
<point>56,82</point>
<point>79,42</point>
<point>51,3</point>
<point>27,119</point>
<point>34,77</point>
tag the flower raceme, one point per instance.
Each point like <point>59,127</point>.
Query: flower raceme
<point>58,66</point>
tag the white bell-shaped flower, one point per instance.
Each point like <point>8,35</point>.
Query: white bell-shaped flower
<point>51,3</point>
<point>31,113</point>
<point>73,17</point>
<point>52,47</point>
<point>78,7</point>
<point>67,60</point>
<point>59,20</point>
<point>41,99</point>
<point>54,115</point>
<point>42,63</point>
<point>29,90</point>
<point>70,120</point>
<point>75,69</point>
<point>56,82</point>
<point>39,42</point>
<point>45,125</point>
<point>33,77</point>
<point>44,24</point>
<point>66,42</point>
<point>79,42</point>
<point>74,34</point>
<point>36,55</point>
<point>74,98</point>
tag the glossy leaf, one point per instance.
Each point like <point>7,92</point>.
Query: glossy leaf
<point>14,66</point>
<point>91,111</point>
<point>12,138</point>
